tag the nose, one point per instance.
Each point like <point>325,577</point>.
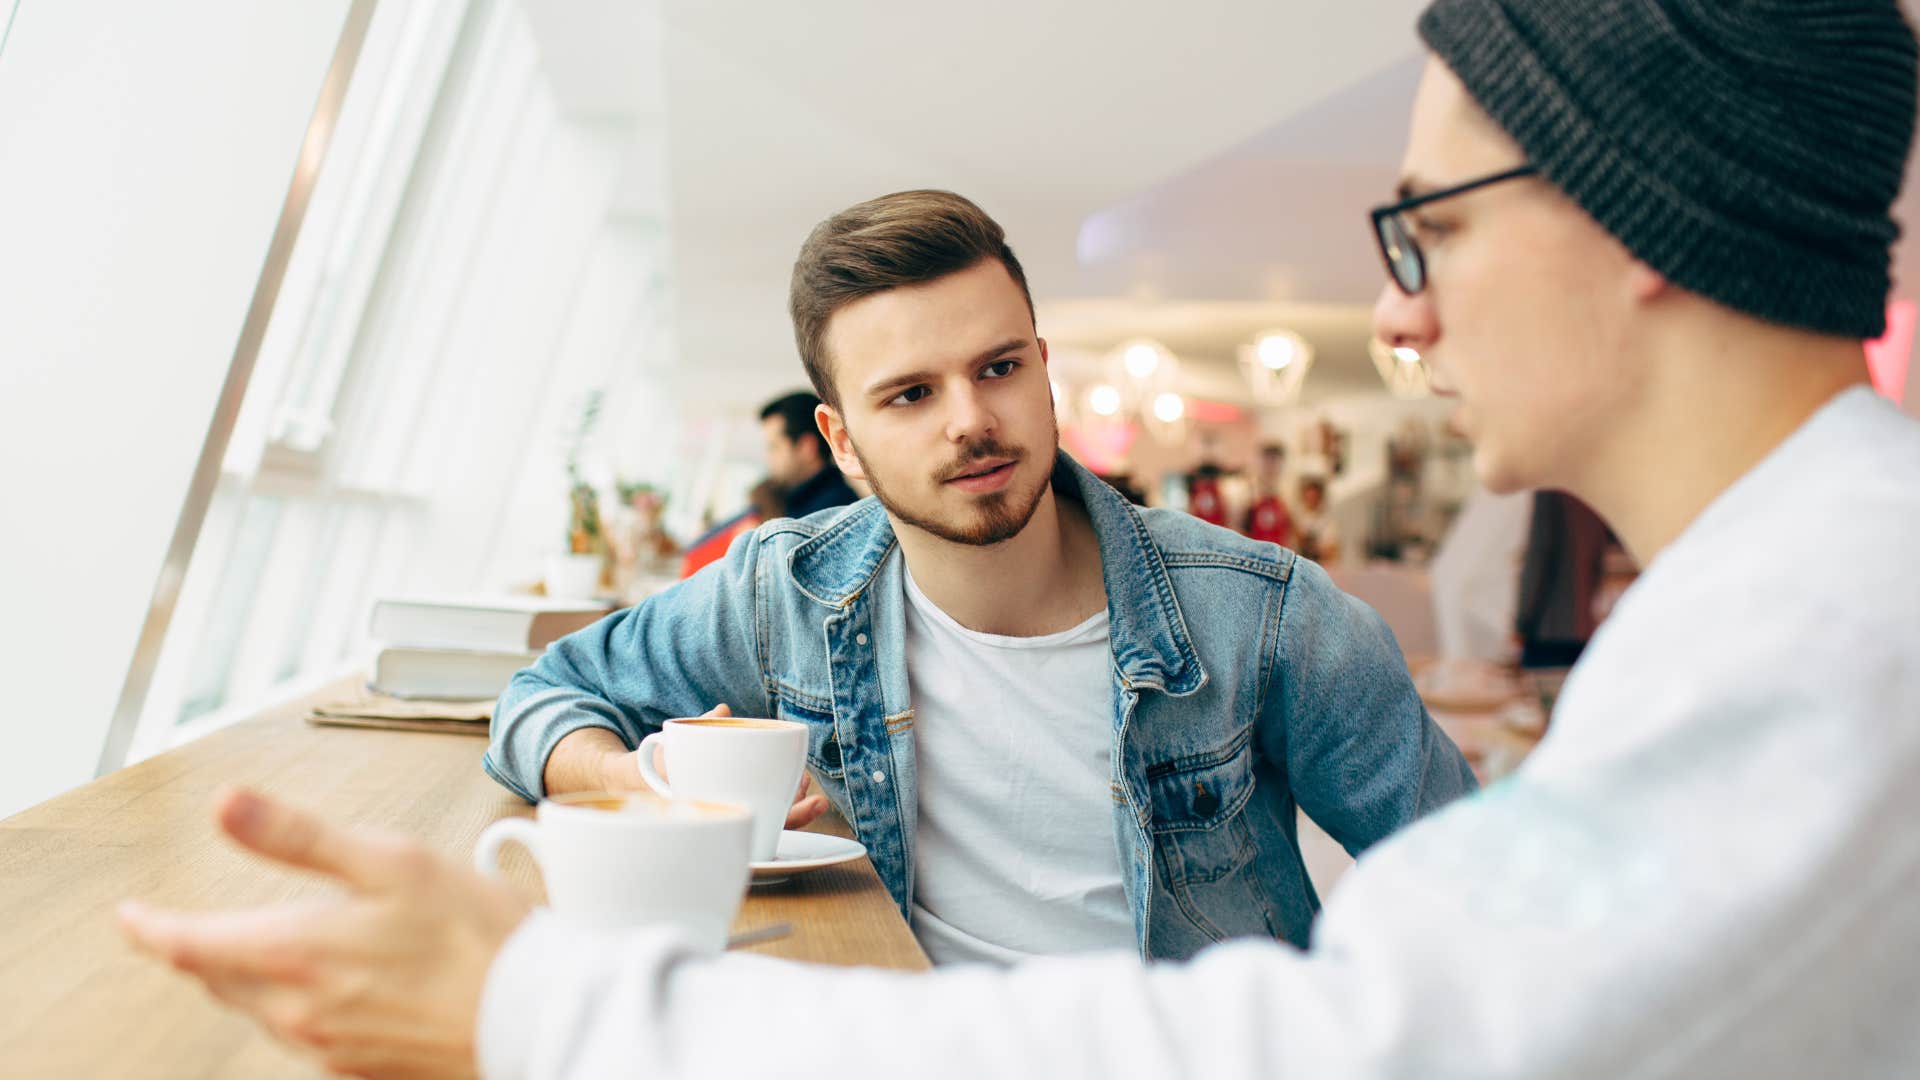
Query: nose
<point>1404,321</point>
<point>969,418</point>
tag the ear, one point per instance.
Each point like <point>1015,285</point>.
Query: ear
<point>835,430</point>
<point>1644,283</point>
<point>1043,351</point>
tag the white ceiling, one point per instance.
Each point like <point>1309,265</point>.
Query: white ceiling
<point>1192,171</point>
<point>1043,111</point>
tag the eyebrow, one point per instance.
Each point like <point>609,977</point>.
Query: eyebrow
<point>897,382</point>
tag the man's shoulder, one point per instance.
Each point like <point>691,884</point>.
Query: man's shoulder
<point>1186,541</point>
<point>783,534</point>
<point>823,542</point>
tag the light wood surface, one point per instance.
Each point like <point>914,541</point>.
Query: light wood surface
<point>76,1001</point>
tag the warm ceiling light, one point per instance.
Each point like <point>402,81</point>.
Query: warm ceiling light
<point>1104,400</point>
<point>1140,368</point>
<point>1142,360</point>
<point>1400,368</point>
<point>1277,350</point>
<point>1275,365</point>
<point>1169,408</point>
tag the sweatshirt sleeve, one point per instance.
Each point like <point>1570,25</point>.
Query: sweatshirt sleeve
<point>1656,921</point>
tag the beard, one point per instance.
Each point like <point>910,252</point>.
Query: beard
<point>995,518</point>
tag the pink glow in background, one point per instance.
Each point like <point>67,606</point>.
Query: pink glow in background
<point>1889,355</point>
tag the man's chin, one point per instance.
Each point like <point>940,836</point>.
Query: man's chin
<point>985,520</point>
<point>1496,474</point>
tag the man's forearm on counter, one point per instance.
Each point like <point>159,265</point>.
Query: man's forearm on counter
<point>582,762</point>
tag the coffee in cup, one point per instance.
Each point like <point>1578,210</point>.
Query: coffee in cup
<point>740,760</point>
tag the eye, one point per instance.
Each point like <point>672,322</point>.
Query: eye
<point>1427,228</point>
<point>910,395</point>
<point>999,369</point>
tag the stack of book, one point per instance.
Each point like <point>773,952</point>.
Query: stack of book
<point>467,649</point>
<point>443,661</point>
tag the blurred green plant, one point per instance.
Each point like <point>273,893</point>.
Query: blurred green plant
<point>585,533</point>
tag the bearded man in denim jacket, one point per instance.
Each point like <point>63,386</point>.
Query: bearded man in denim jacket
<point>1058,722</point>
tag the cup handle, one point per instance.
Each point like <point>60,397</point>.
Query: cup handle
<point>644,757</point>
<point>486,852</point>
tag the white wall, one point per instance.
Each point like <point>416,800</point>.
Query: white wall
<point>148,149</point>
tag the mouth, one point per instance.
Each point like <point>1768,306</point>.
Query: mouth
<point>987,474</point>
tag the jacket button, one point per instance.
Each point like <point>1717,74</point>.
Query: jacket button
<point>1205,803</point>
<point>830,752</point>
<point>860,639</point>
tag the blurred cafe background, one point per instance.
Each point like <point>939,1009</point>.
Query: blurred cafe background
<point>304,307</point>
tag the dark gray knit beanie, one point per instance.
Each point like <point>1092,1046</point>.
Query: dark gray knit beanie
<point>1749,150</point>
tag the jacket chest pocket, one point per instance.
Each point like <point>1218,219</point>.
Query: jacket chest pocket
<point>1197,820</point>
<point>823,743</point>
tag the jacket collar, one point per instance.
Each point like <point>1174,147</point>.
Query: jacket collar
<point>1151,646</point>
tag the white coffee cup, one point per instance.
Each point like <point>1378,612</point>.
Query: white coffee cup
<point>616,861</point>
<point>746,762</point>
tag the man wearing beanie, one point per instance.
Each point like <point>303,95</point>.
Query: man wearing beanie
<point>1640,241</point>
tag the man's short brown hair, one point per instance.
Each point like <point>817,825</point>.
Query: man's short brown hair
<point>907,238</point>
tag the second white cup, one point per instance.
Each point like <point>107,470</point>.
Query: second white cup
<point>747,762</point>
<point>615,861</point>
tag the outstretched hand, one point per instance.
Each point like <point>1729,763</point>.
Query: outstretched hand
<point>382,981</point>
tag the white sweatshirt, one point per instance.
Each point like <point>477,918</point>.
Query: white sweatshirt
<point>1710,868</point>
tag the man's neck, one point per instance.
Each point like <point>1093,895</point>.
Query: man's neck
<point>1043,580</point>
<point>1705,424</point>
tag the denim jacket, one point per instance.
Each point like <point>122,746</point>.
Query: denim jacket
<point>1245,685</point>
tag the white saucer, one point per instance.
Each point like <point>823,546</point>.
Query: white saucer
<point>801,851</point>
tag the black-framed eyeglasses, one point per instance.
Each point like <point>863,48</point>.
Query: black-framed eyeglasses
<point>1405,263</point>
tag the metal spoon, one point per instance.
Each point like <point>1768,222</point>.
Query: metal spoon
<point>765,933</point>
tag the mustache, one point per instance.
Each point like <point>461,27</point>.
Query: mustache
<point>991,448</point>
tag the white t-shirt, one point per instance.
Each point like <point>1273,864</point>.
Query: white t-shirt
<point>1710,869</point>
<point>1014,853</point>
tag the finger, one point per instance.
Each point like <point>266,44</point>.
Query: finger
<point>806,811</point>
<point>719,710</point>
<point>292,1015</point>
<point>274,944</point>
<point>806,781</point>
<point>297,838</point>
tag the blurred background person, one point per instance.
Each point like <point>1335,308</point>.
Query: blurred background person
<point>797,457</point>
<point>1566,552</point>
<point>764,504</point>
<point>1319,539</point>
<point>1269,519</point>
<point>1476,577</point>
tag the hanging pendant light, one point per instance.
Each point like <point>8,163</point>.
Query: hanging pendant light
<point>1401,369</point>
<point>1275,366</point>
<point>1141,368</point>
